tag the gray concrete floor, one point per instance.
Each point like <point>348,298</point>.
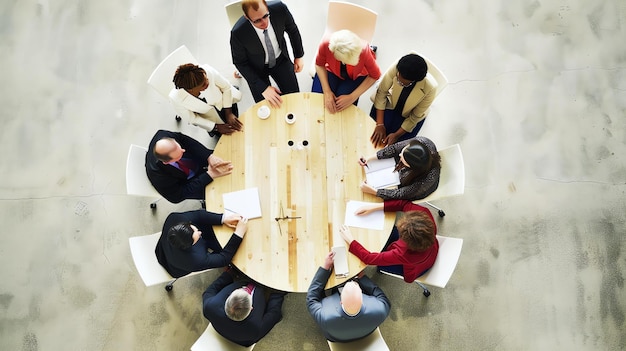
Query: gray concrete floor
<point>537,100</point>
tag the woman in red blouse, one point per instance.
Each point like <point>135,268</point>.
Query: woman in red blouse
<point>412,246</point>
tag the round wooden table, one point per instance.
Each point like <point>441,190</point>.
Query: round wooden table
<point>307,169</point>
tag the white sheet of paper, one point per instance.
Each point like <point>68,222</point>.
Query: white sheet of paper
<point>380,174</point>
<point>374,220</point>
<point>341,261</point>
<point>244,202</point>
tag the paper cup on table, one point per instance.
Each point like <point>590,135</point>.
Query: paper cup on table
<point>263,112</point>
<point>290,118</point>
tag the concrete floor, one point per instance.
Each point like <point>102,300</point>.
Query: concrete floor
<point>537,100</point>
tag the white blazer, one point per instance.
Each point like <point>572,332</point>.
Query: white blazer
<point>220,94</point>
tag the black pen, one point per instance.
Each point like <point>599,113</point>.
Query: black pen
<point>364,162</point>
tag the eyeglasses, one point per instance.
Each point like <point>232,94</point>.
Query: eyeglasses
<point>402,84</point>
<point>257,21</point>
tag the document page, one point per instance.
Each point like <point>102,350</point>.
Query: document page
<point>380,174</point>
<point>245,202</point>
<point>374,220</point>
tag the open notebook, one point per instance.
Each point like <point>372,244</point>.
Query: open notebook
<point>380,174</point>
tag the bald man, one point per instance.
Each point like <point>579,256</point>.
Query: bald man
<point>179,167</point>
<point>354,314</point>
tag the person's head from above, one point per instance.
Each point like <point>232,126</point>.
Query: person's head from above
<point>417,230</point>
<point>183,235</point>
<point>411,68</point>
<point>351,298</point>
<point>418,158</point>
<point>168,150</point>
<point>256,12</point>
<point>345,46</point>
<point>192,78</point>
<point>238,305</point>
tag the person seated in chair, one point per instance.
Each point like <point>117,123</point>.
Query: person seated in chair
<point>412,246</point>
<point>239,311</point>
<point>208,97</point>
<point>350,315</point>
<point>179,167</point>
<point>419,165</point>
<point>187,237</point>
<point>345,68</point>
<point>402,100</point>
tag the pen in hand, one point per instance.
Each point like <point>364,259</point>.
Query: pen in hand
<point>364,162</point>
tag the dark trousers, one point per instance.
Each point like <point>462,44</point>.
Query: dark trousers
<point>393,122</point>
<point>337,85</point>
<point>283,75</point>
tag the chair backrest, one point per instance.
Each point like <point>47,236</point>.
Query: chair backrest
<point>234,12</point>
<point>137,182</point>
<point>447,258</point>
<point>142,250</point>
<point>372,342</point>
<point>161,77</point>
<point>212,340</point>
<point>452,176</point>
<point>440,273</point>
<point>434,74</point>
<point>356,18</point>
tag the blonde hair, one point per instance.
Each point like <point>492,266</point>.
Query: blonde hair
<point>345,46</point>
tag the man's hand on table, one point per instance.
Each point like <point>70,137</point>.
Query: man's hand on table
<point>242,227</point>
<point>218,167</point>
<point>328,261</point>
<point>272,95</point>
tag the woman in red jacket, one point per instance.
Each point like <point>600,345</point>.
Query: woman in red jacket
<point>412,246</point>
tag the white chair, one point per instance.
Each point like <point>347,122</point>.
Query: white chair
<point>344,15</point>
<point>372,342</point>
<point>162,76</point>
<point>212,340</point>
<point>451,178</point>
<point>434,73</point>
<point>149,268</point>
<point>445,263</point>
<point>137,182</point>
<point>234,12</point>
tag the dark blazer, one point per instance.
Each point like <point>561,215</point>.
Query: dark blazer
<point>336,325</point>
<point>246,48</point>
<point>171,182</point>
<point>179,262</point>
<point>250,330</point>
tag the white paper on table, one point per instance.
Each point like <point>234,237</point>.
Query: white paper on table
<point>374,220</point>
<point>340,262</point>
<point>244,202</point>
<point>379,173</point>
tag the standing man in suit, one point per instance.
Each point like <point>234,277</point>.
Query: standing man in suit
<point>179,167</point>
<point>259,49</point>
<point>350,315</point>
<point>187,237</point>
<point>238,310</point>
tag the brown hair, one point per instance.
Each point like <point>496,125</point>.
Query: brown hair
<point>254,4</point>
<point>417,230</point>
<point>188,76</point>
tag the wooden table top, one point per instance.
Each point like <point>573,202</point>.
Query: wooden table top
<point>313,179</point>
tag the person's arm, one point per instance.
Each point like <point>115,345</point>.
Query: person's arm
<point>329,95</point>
<point>294,34</point>
<point>315,293</point>
<point>385,258</point>
<point>273,313</point>
<point>344,101</point>
<point>220,283</point>
<point>241,60</point>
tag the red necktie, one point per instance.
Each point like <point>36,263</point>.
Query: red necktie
<point>184,166</point>
<point>248,288</point>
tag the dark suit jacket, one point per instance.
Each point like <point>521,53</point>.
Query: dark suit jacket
<point>171,182</point>
<point>196,258</point>
<point>336,325</point>
<point>250,330</point>
<point>247,50</point>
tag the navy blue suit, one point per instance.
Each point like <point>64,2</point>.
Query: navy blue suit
<point>171,182</point>
<point>179,262</point>
<point>261,320</point>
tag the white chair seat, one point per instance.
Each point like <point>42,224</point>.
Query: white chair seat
<point>372,342</point>
<point>211,340</point>
<point>137,182</point>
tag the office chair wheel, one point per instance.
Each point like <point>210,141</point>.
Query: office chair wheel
<point>426,293</point>
<point>441,213</point>
<point>169,287</point>
<point>153,205</point>
<point>178,119</point>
